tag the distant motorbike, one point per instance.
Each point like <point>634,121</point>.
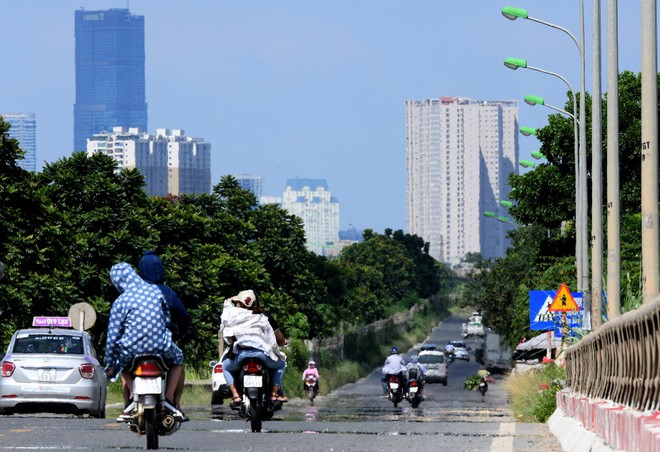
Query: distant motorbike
<point>150,414</point>
<point>413,395</point>
<point>255,388</point>
<point>394,389</point>
<point>483,387</point>
<point>311,390</point>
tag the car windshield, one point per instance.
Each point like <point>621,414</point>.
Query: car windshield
<point>48,343</point>
<point>458,344</point>
<point>432,359</point>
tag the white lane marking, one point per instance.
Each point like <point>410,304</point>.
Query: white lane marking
<point>504,440</point>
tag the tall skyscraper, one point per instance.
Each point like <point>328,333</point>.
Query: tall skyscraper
<point>459,155</point>
<point>171,162</point>
<point>110,85</point>
<point>311,200</point>
<point>24,129</point>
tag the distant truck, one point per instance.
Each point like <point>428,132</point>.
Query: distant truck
<point>496,356</point>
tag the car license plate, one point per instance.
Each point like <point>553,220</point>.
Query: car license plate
<point>394,385</point>
<point>46,374</point>
<point>148,385</point>
<point>252,381</point>
<point>413,389</point>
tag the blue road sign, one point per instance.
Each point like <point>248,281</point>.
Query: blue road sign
<point>542,319</point>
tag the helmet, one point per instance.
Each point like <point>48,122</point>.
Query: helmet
<point>414,359</point>
<point>247,298</point>
<point>312,364</point>
<point>394,350</point>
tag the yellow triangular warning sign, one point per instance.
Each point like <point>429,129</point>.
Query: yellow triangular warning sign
<point>563,300</point>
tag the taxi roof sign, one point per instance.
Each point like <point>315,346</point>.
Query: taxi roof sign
<point>563,301</point>
<point>58,322</point>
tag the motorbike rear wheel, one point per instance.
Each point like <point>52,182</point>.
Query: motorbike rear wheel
<point>253,414</point>
<point>151,429</point>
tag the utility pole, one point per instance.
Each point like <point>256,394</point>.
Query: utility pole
<point>596,174</point>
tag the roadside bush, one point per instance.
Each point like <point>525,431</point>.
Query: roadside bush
<point>532,393</point>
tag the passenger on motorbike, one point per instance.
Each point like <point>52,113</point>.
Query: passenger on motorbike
<point>249,335</point>
<point>152,271</point>
<point>449,352</point>
<point>421,373</point>
<point>138,325</point>
<point>394,365</point>
<point>311,371</point>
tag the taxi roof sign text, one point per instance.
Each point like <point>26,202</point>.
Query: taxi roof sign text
<point>59,322</point>
<point>563,301</point>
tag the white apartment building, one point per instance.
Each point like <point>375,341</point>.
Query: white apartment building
<point>171,162</point>
<point>311,200</point>
<point>459,154</point>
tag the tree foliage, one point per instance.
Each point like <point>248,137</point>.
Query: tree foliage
<point>63,228</point>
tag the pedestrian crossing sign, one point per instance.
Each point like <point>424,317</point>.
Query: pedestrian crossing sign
<point>563,301</point>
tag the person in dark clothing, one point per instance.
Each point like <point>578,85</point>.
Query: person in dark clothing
<point>152,271</point>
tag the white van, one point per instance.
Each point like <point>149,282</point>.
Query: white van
<point>436,366</point>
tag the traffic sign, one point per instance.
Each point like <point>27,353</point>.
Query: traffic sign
<point>540,318</point>
<point>563,300</point>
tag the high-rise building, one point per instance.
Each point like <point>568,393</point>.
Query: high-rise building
<point>110,84</point>
<point>171,162</point>
<point>312,201</point>
<point>252,182</point>
<point>459,155</point>
<point>24,129</point>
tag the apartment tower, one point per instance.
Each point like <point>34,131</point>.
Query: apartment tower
<point>459,154</point>
<point>110,83</point>
<point>24,129</point>
<point>171,162</point>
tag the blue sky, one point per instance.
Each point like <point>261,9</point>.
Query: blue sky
<point>314,89</point>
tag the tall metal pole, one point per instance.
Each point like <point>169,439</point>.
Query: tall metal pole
<point>650,255</point>
<point>613,214</point>
<point>596,174</point>
<point>583,286</point>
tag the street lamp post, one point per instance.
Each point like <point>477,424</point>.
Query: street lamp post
<point>582,233</point>
<point>580,251</point>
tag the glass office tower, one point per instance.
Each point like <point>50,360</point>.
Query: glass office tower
<point>110,86</point>
<point>24,129</point>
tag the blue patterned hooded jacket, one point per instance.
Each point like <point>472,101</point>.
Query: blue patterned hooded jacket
<point>138,320</point>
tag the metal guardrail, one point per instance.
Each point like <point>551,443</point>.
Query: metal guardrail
<point>621,361</point>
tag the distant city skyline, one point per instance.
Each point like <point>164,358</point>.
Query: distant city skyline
<point>110,75</point>
<point>307,89</point>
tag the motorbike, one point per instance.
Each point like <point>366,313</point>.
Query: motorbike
<point>483,387</point>
<point>255,388</point>
<point>413,394</point>
<point>150,413</point>
<point>394,389</point>
<point>310,388</point>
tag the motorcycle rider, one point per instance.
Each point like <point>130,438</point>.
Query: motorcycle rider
<point>449,352</point>
<point>394,365</point>
<point>152,270</point>
<point>421,373</point>
<point>138,325</point>
<point>311,371</point>
<point>250,335</point>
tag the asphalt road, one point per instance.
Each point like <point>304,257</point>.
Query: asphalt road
<point>352,418</point>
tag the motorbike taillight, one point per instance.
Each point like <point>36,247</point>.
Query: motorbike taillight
<point>252,368</point>
<point>148,369</point>
<point>413,383</point>
<point>217,369</point>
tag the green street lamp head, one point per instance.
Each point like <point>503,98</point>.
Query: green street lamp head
<point>527,164</point>
<point>527,131</point>
<point>534,100</point>
<point>504,219</point>
<point>513,13</point>
<point>515,63</point>
<point>505,203</point>
<point>538,155</point>
<point>490,214</point>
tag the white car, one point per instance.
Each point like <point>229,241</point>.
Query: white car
<point>435,364</point>
<point>219,388</point>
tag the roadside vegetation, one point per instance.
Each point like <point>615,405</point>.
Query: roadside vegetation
<point>532,393</point>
